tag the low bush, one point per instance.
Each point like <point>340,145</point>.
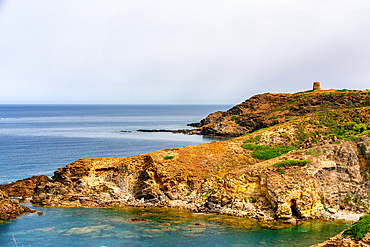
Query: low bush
<point>264,152</point>
<point>289,163</point>
<point>250,146</point>
<point>359,229</point>
<point>282,171</point>
<point>168,157</point>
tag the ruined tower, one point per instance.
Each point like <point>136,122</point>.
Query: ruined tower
<point>316,86</point>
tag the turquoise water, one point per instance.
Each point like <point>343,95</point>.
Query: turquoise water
<point>167,227</point>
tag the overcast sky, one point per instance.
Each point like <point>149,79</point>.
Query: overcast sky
<point>179,52</point>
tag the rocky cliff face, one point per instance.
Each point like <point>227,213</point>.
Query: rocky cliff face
<point>300,169</point>
<point>266,110</point>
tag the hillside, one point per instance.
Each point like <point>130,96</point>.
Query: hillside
<point>313,166</point>
<point>266,110</point>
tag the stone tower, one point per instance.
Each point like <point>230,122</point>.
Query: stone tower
<point>316,86</point>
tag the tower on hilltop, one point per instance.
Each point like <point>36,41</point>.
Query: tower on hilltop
<point>316,86</point>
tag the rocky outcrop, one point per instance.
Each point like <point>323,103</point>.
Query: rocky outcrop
<point>269,109</point>
<point>10,209</point>
<point>24,188</point>
<point>256,191</point>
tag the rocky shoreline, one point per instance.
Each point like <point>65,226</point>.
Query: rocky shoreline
<point>11,209</point>
<point>316,166</point>
<point>223,177</point>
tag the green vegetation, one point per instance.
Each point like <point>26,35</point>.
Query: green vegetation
<point>264,152</point>
<point>218,120</point>
<point>359,229</point>
<point>233,118</point>
<point>250,146</point>
<point>290,163</point>
<point>282,171</point>
<point>348,197</point>
<point>272,117</point>
<point>171,149</point>
<point>318,153</point>
<point>345,124</point>
<point>250,199</point>
<point>255,139</point>
<point>168,157</point>
<point>310,151</point>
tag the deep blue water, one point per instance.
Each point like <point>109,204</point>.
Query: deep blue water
<point>38,139</point>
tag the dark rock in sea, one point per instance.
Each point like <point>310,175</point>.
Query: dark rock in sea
<point>138,220</point>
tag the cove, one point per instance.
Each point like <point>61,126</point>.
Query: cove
<point>133,226</point>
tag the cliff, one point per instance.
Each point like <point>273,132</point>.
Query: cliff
<point>309,167</point>
<point>266,110</point>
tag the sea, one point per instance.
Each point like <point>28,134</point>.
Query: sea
<point>39,139</point>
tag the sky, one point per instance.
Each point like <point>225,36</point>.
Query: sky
<point>178,52</point>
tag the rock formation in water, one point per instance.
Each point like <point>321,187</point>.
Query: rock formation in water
<point>10,209</point>
<point>24,188</point>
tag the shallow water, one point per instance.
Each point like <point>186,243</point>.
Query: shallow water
<point>167,227</point>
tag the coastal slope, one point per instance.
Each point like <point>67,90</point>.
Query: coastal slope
<point>268,109</point>
<point>314,166</point>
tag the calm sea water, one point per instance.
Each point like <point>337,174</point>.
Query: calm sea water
<point>38,139</point>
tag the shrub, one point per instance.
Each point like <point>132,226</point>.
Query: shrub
<point>171,149</point>
<point>264,152</point>
<point>168,157</point>
<point>359,229</point>
<point>282,171</point>
<point>272,117</point>
<point>310,151</point>
<point>317,154</point>
<point>233,118</point>
<point>250,146</point>
<point>289,163</point>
